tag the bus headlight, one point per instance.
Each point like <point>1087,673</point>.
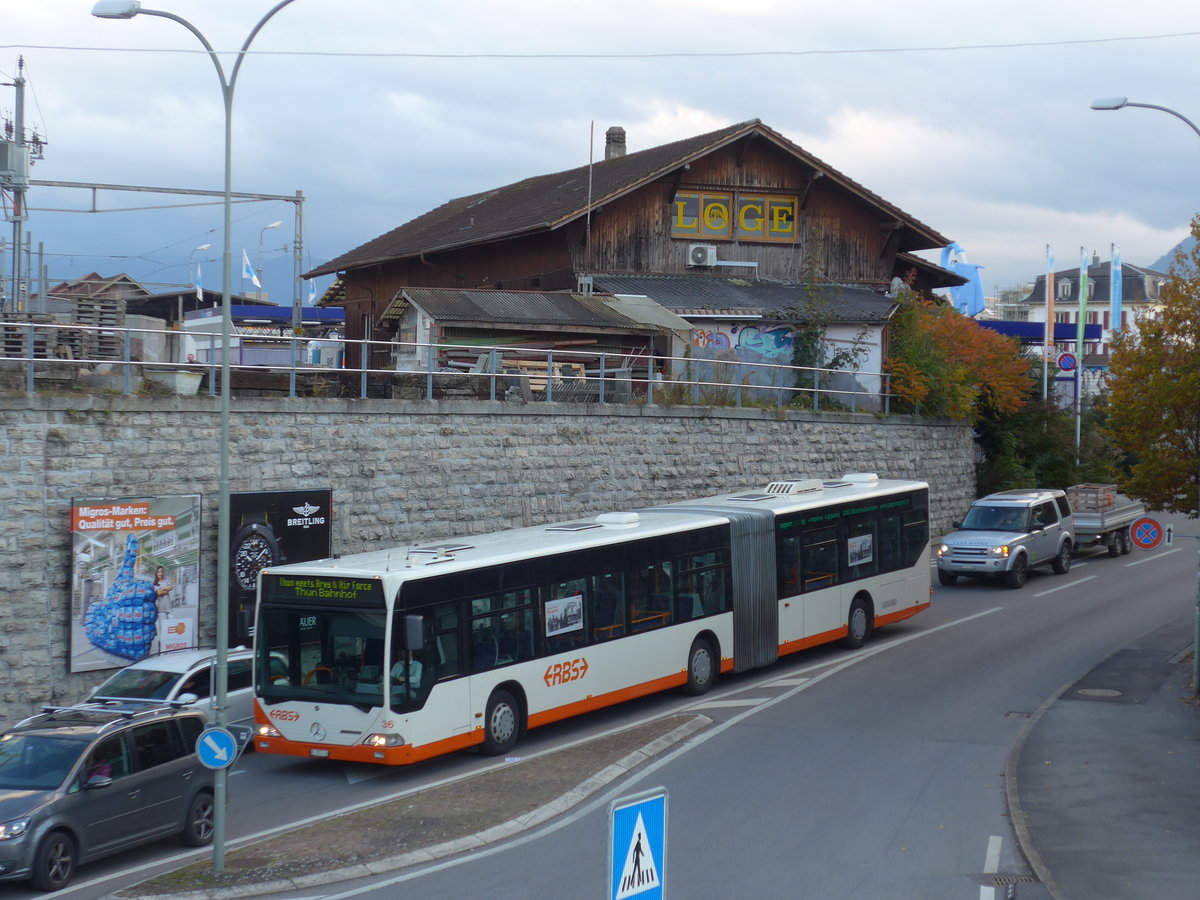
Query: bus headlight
<point>1001,551</point>
<point>268,731</point>
<point>383,740</point>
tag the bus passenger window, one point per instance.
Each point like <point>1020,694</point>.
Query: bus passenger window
<point>819,562</point>
<point>650,600</point>
<point>606,609</point>
<point>788,574</point>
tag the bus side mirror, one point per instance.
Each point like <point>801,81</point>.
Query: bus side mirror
<point>410,634</point>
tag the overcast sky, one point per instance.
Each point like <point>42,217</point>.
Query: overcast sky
<point>974,118</point>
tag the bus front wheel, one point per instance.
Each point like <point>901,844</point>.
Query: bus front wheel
<point>501,723</point>
<point>701,668</point>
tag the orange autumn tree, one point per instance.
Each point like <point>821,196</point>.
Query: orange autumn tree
<point>947,364</point>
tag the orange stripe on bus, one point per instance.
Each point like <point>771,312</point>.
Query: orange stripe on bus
<point>610,699</point>
<point>900,615</point>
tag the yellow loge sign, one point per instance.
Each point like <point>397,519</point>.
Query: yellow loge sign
<point>729,215</point>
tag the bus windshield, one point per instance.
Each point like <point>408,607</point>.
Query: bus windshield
<point>333,655</point>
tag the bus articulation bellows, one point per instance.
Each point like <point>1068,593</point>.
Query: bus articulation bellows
<point>395,656</point>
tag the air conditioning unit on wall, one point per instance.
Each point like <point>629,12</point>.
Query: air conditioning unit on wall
<point>702,255</point>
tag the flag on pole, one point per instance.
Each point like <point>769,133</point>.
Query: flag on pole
<point>1048,348</point>
<point>1083,299</point>
<point>248,271</point>
<point>199,290</point>
<point>312,292</point>
<point>1114,291</point>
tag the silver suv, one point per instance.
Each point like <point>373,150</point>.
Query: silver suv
<point>81,782</point>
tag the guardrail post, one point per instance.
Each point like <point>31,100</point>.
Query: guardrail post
<point>127,367</point>
<point>816,390</point>
<point>737,373</point>
<point>549,376</point>
<point>429,373</point>
<point>212,365</point>
<point>650,373</point>
<point>29,368</point>
<point>601,377</point>
<point>493,368</point>
<point>363,360</point>
<point>887,394</point>
<point>292,378</point>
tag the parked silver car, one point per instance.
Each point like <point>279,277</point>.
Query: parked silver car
<point>81,782</point>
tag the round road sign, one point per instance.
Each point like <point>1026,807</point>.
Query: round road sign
<point>217,748</point>
<point>1146,533</point>
<point>1066,362</point>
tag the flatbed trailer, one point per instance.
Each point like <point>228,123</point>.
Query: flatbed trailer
<point>1103,516</point>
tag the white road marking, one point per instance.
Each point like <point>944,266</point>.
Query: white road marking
<point>787,682</point>
<point>719,704</point>
<point>991,865</point>
<point>1154,557</point>
<point>1063,587</point>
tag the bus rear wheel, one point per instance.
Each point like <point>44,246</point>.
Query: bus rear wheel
<point>502,719</point>
<point>701,668</point>
<point>858,624</point>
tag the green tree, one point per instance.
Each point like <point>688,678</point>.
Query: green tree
<point>1154,393</point>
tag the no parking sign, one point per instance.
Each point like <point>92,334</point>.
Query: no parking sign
<point>1146,533</point>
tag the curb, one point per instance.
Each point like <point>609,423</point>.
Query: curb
<point>542,814</point>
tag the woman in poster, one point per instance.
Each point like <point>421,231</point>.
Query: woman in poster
<point>162,584</point>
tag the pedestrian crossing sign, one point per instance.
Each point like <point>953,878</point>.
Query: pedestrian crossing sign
<point>638,846</point>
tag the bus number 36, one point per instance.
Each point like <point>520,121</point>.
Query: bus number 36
<point>561,673</point>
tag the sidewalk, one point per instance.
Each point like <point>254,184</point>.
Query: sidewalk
<point>1104,784</point>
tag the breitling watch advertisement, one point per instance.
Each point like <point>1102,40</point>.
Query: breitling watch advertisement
<point>271,528</point>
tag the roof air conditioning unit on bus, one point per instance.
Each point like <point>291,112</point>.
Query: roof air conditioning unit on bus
<point>702,255</point>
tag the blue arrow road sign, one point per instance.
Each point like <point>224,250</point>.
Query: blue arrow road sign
<point>217,748</point>
<point>637,842</point>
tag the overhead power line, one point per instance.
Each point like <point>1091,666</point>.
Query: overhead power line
<point>652,54</point>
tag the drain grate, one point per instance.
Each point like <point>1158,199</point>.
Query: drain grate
<point>1002,880</point>
<point>1099,692</point>
<point>1015,714</point>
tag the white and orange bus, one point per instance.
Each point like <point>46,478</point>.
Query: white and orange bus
<point>395,656</point>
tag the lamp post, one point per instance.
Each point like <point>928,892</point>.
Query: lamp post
<point>1113,103</point>
<point>261,232</point>
<point>127,9</point>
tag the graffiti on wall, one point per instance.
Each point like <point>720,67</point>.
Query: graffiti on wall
<point>747,341</point>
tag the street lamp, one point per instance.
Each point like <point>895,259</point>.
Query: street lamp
<point>127,9</point>
<point>1107,103</point>
<point>261,232</point>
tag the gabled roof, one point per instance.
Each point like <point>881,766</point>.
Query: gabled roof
<point>777,300</point>
<point>547,202</point>
<point>97,285</point>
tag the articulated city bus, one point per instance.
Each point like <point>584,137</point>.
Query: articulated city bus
<point>395,656</point>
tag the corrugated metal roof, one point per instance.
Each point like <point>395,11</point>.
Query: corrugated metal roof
<point>545,202</point>
<point>461,306</point>
<point>706,294</point>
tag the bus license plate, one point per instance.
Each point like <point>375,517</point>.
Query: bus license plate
<point>319,753</point>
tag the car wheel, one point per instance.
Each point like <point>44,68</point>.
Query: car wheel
<point>1015,577</point>
<point>198,826</point>
<point>947,578</point>
<point>502,720</point>
<point>701,668</point>
<point>859,624</point>
<point>1062,562</point>
<point>54,862</point>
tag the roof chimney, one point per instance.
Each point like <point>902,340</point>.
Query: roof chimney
<point>614,142</point>
<point>1095,257</point>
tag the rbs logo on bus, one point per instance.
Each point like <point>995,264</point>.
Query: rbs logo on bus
<point>561,673</point>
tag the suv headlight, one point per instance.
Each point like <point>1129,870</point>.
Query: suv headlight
<point>1001,551</point>
<point>13,829</point>
<point>943,550</point>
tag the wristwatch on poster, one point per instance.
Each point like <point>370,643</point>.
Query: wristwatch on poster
<point>255,547</point>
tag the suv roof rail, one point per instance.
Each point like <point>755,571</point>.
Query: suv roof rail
<point>120,710</point>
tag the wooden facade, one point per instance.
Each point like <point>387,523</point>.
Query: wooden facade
<point>842,232</point>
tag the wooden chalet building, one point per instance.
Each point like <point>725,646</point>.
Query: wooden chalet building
<point>735,225</point>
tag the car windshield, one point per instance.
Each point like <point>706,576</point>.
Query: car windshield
<point>140,684</point>
<point>36,762</point>
<point>995,518</point>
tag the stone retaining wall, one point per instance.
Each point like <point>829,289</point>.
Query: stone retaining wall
<point>400,472</point>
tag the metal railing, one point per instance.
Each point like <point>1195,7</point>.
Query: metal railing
<point>63,357</point>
